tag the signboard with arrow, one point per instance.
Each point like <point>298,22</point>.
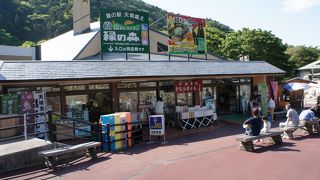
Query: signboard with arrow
<point>124,31</point>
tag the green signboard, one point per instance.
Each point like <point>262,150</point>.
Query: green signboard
<point>9,104</point>
<point>124,31</point>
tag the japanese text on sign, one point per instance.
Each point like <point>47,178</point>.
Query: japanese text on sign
<point>186,87</point>
<point>124,31</point>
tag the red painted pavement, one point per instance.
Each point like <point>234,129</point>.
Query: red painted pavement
<point>210,155</point>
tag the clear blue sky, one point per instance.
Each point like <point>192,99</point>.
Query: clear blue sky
<point>296,22</point>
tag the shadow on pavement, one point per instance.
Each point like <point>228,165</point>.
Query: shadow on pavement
<point>40,172</point>
<point>285,147</point>
<point>301,137</point>
<point>224,131</point>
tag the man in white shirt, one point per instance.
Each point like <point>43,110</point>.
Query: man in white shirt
<point>292,119</point>
<point>159,106</point>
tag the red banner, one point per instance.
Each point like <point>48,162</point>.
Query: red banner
<point>186,87</point>
<point>274,86</point>
<point>27,107</point>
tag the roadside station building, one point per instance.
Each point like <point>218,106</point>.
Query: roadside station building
<point>81,85</point>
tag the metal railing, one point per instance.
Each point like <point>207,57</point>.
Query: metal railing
<point>25,128</point>
<point>93,134</point>
<point>27,125</point>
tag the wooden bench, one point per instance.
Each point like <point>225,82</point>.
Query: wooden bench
<point>246,142</point>
<point>52,156</point>
<point>290,130</point>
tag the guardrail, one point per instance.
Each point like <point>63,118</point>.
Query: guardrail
<point>94,133</point>
<point>25,129</point>
<point>23,126</point>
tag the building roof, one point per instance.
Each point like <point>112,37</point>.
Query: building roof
<point>313,65</point>
<point>75,70</point>
<point>67,46</point>
<point>145,57</point>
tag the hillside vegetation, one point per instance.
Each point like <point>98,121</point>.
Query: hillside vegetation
<point>26,22</point>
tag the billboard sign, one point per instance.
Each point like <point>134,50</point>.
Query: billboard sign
<point>124,31</point>
<point>187,35</point>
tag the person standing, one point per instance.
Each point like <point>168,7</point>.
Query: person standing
<point>159,106</point>
<point>271,106</point>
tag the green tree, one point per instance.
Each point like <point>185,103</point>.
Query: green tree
<point>216,24</point>
<point>7,39</point>
<point>215,38</point>
<point>301,55</point>
<point>28,44</point>
<point>258,44</point>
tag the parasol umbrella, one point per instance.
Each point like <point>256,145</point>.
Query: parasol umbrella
<point>299,80</point>
<point>295,86</point>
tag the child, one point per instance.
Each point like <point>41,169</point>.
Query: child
<point>266,126</point>
<point>247,127</point>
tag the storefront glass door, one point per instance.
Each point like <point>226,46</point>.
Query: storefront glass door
<point>227,99</point>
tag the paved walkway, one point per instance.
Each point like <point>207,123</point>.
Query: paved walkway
<point>210,155</point>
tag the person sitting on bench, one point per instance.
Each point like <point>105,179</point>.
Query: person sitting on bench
<point>308,119</point>
<point>253,125</point>
<point>292,119</point>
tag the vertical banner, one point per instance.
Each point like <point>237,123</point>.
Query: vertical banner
<point>10,104</point>
<point>124,31</point>
<point>274,86</point>
<point>187,35</point>
<point>156,125</point>
<point>40,107</point>
<point>27,107</point>
<point>263,89</point>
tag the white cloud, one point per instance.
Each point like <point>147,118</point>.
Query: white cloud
<point>296,6</point>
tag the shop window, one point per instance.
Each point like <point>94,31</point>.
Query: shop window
<point>184,99</point>
<point>99,86</point>
<point>169,101</point>
<point>49,89</point>
<point>207,93</point>
<point>235,81</point>
<point>15,90</point>
<point>147,100</point>
<point>75,88</point>
<point>76,107</point>
<point>166,83</point>
<point>128,101</point>
<point>161,47</point>
<point>207,82</point>
<point>54,104</point>
<point>127,85</point>
<point>148,84</point>
<point>245,94</point>
<point>98,104</point>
